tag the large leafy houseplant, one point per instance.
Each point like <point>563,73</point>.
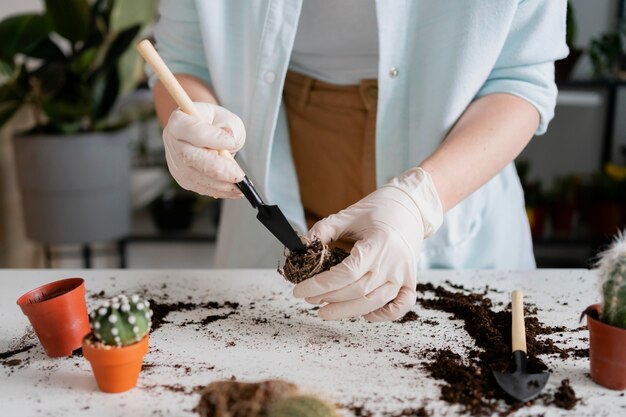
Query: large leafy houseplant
<point>63,64</point>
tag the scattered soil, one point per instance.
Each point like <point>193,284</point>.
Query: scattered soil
<point>317,258</point>
<point>357,410</point>
<point>161,309</point>
<point>412,412</point>
<point>408,317</point>
<point>9,353</point>
<point>565,397</point>
<point>469,381</point>
<point>241,399</point>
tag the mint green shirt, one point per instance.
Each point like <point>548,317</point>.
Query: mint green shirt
<point>435,58</point>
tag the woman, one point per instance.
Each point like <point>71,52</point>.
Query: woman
<point>398,112</point>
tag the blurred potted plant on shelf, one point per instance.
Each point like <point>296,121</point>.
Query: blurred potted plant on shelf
<point>563,68</point>
<point>608,196</point>
<point>607,321</point>
<point>564,209</point>
<point>607,54</point>
<point>534,199</point>
<point>61,68</point>
<point>174,210</point>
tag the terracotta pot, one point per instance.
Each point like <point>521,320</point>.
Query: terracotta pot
<point>607,355</point>
<point>58,314</point>
<point>116,369</point>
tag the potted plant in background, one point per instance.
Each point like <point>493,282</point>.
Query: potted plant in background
<point>563,68</point>
<point>608,196</point>
<point>607,321</point>
<point>62,66</point>
<point>607,54</point>
<point>534,199</point>
<point>564,207</point>
<point>118,342</point>
<point>174,210</point>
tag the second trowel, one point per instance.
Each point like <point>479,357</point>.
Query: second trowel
<point>270,215</point>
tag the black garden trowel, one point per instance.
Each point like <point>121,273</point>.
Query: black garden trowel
<point>271,216</point>
<point>520,384</point>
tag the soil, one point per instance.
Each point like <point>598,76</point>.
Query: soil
<point>9,353</point>
<point>565,397</point>
<point>241,399</point>
<point>317,258</point>
<point>161,309</point>
<point>410,316</point>
<point>469,381</point>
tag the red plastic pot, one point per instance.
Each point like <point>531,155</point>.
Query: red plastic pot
<point>607,355</point>
<point>58,314</point>
<point>116,369</point>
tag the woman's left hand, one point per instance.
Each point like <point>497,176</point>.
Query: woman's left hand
<point>378,279</point>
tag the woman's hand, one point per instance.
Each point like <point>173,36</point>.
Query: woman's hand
<point>192,145</point>
<point>379,277</point>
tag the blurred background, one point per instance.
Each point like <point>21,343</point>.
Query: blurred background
<point>82,96</point>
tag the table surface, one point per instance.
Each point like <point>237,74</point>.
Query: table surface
<point>273,335</point>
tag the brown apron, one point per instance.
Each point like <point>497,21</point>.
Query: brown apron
<point>332,132</point>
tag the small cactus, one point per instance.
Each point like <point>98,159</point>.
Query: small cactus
<point>612,270</point>
<point>301,406</point>
<point>121,321</point>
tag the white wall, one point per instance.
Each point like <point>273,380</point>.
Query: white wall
<point>9,7</point>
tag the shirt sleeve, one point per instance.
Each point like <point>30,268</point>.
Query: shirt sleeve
<point>179,40</point>
<point>525,66</point>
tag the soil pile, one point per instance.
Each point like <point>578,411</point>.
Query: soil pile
<point>241,399</point>
<point>469,382</point>
<point>317,258</point>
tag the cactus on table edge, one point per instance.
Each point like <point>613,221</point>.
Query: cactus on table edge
<point>121,321</point>
<point>301,406</point>
<point>612,270</point>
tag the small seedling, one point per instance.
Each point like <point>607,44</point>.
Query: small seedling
<point>121,321</point>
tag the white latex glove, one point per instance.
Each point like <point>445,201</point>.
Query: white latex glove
<point>378,279</point>
<point>192,145</point>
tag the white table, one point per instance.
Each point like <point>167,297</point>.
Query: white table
<point>338,360</point>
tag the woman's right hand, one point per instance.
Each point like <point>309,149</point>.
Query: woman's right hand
<point>192,148</point>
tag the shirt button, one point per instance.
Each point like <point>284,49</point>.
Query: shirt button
<point>393,72</point>
<point>269,77</point>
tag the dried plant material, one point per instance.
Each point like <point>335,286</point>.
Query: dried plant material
<point>242,399</point>
<point>317,258</point>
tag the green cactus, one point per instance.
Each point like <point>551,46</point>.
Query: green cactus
<point>121,321</point>
<point>612,270</point>
<point>301,406</point>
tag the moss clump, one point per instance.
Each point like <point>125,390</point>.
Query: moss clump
<point>272,398</point>
<point>301,406</point>
<point>317,258</point>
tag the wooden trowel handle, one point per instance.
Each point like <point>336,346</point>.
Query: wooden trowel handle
<point>518,330</point>
<point>169,81</point>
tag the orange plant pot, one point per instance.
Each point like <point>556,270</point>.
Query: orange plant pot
<point>607,355</point>
<point>116,369</point>
<point>58,314</point>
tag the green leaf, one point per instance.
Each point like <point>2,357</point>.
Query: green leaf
<point>69,18</point>
<point>84,60</point>
<point>119,45</point>
<point>21,34</point>
<point>48,50</point>
<point>106,90</point>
